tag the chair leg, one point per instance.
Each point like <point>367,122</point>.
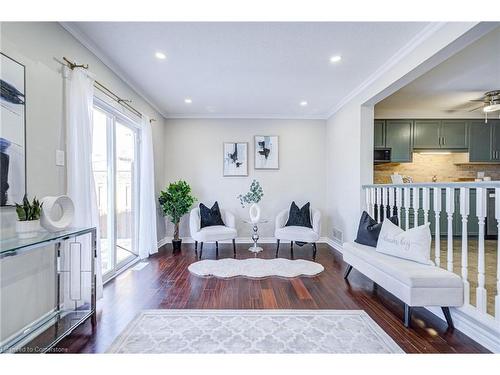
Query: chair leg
<point>447,315</point>
<point>407,320</point>
<point>314,250</point>
<point>216,250</point>
<point>195,245</point>
<point>277,247</point>
<point>201,249</point>
<point>234,248</point>
<point>291,249</point>
<point>347,271</point>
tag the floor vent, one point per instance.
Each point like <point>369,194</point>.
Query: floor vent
<point>337,235</point>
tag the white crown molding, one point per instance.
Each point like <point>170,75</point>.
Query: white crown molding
<point>416,41</point>
<point>97,51</point>
<point>244,116</point>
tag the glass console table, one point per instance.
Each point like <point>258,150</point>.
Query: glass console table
<point>74,289</point>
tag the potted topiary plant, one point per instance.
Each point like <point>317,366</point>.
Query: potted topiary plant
<point>175,202</point>
<point>28,214</point>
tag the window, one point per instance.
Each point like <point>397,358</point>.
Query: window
<point>115,165</point>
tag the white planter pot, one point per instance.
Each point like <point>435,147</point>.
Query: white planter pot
<point>27,229</point>
<point>254,213</point>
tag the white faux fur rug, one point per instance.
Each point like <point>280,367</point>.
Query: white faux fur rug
<point>254,331</point>
<point>255,268</point>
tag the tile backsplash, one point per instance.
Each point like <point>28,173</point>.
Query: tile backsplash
<point>446,167</point>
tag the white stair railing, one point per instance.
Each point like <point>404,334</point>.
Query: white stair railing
<point>462,214</point>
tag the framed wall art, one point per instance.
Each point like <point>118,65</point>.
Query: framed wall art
<point>12,131</point>
<point>266,152</point>
<point>235,159</point>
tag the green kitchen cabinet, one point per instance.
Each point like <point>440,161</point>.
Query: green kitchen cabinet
<point>379,133</point>
<point>495,139</point>
<point>453,134</point>
<point>398,134</point>
<point>440,134</point>
<point>426,134</point>
<point>480,145</point>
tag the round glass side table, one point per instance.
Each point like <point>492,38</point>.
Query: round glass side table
<point>255,236</point>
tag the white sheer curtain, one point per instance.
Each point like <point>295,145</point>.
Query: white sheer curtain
<point>80,177</point>
<point>148,242</point>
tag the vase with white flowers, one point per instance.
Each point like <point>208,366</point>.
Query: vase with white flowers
<point>252,198</point>
<point>28,215</point>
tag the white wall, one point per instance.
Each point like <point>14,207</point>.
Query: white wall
<point>40,47</point>
<point>350,129</point>
<point>194,153</point>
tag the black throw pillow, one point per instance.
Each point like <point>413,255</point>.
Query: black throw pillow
<point>300,217</point>
<point>210,216</point>
<point>369,229</point>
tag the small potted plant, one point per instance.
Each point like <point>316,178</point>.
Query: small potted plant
<point>28,214</point>
<point>175,202</point>
<point>252,198</point>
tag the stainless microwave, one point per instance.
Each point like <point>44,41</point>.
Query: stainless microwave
<point>382,155</point>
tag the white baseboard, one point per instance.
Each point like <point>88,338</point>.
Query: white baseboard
<point>266,240</point>
<point>485,331</point>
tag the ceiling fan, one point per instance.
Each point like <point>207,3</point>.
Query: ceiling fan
<point>490,103</point>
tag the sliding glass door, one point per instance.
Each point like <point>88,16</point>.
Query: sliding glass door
<point>114,156</point>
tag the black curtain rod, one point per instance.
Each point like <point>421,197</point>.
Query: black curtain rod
<point>98,85</point>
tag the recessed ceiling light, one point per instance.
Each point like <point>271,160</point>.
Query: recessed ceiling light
<point>160,55</point>
<point>188,101</point>
<point>335,59</point>
<point>303,103</point>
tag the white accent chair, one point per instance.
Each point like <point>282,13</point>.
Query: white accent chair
<point>299,235</point>
<point>213,233</point>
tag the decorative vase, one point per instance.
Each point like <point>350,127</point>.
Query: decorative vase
<point>57,213</point>
<point>27,228</point>
<point>254,213</point>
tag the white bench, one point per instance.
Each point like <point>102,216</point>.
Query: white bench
<point>414,283</point>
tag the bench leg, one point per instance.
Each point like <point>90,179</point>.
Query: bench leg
<point>447,315</point>
<point>407,320</point>
<point>314,250</point>
<point>347,271</point>
<point>201,249</point>
<point>216,250</point>
<point>277,247</point>
<point>234,248</point>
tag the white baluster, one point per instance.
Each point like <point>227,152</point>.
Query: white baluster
<point>373,199</point>
<point>481,213</point>
<point>379,203</point>
<point>450,208</point>
<point>399,209</point>
<point>367,200</point>
<point>425,204</point>
<point>464,211</point>
<point>392,203</point>
<point>407,208</point>
<point>416,205</point>
<point>384,203</point>
<point>497,216</point>
<point>437,238</point>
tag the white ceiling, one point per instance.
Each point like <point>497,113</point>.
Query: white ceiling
<point>245,69</point>
<point>447,89</point>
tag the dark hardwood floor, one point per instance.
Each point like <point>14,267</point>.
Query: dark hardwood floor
<point>165,283</point>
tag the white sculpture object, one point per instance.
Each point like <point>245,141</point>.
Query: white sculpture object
<point>57,213</point>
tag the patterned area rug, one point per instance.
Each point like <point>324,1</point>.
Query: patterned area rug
<point>255,268</point>
<point>254,331</point>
